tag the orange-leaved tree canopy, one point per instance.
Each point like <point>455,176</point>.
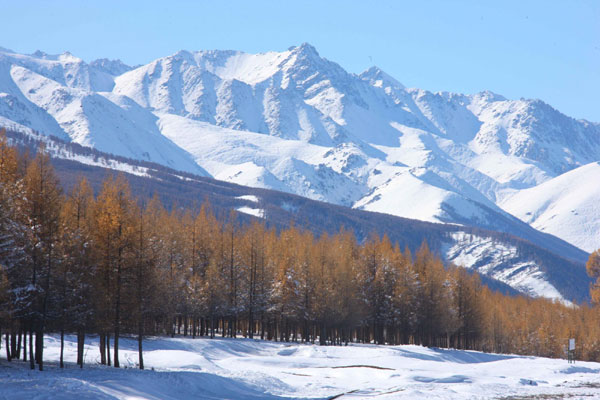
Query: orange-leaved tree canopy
<point>593,270</point>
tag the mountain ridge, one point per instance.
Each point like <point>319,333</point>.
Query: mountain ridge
<point>297,122</point>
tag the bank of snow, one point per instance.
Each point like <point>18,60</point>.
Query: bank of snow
<point>251,369</point>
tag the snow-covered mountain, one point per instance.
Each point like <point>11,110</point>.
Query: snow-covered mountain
<point>65,97</point>
<point>296,122</point>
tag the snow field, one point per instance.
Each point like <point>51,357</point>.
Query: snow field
<point>185,368</point>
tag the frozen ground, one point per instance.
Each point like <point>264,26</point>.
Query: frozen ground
<point>249,369</point>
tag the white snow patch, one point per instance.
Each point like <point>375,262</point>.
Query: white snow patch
<point>257,212</point>
<point>248,197</point>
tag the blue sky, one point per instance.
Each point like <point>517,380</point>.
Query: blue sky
<point>533,49</point>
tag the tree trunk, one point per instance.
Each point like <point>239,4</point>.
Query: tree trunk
<point>140,352</point>
<point>102,349</point>
<point>24,344</point>
<point>118,307</point>
<point>108,349</point>
<point>62,348</point>
<point>80,347</point>
<point>323,335</point>
<point>18,354</point>
<point>13,343</point>
<point>31,360</point>
<point>39,351</point>
<point>250,324</point>
<point>116,348</point>
<point>8,355</point>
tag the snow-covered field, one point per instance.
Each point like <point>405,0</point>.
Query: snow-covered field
<point>251,369</point>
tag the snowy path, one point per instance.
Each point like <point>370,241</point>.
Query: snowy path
<point>249,369</point>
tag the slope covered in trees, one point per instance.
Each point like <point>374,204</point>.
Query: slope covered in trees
<point>112,264</point>
<point>537,265</point>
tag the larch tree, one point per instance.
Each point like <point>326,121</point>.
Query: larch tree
<point>77,267</point>
<point>43,196</point>
<point>113,237</point>
<point>405,296</point>
<point>593,269</point>
<point>18,295</point>
<point>145,237</point>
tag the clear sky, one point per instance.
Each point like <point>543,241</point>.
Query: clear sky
<point>533,49</point>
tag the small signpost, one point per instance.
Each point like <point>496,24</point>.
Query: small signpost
<point>571,351</point>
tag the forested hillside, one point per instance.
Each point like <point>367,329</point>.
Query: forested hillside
<point>548,267</point>
<point>114,264</point>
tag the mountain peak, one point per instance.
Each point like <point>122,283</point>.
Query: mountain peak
<point>183,54</point>
<point>66,56</point>
<point>306,49</point>
<point>112,67</point>
<point>40,54</point>
<point>379,78</point>
<point>490,96</point>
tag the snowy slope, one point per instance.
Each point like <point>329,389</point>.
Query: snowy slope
<point>259,160</point>
<point>56,95</point>
<point>346,175</point>
<point>567,206</point>
<point>502,262</point>
<point>184,368</point>
<point>296,122</point>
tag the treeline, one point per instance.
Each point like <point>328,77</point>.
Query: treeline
<point>115,265</point>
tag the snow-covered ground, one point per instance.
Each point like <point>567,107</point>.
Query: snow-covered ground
<point>183,368</point>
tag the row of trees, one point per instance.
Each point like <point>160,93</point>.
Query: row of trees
<point>111,265</point>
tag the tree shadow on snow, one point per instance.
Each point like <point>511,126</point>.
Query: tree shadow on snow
<point>580,370</point>
<point>106,383</point>
<point>450,355</point>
